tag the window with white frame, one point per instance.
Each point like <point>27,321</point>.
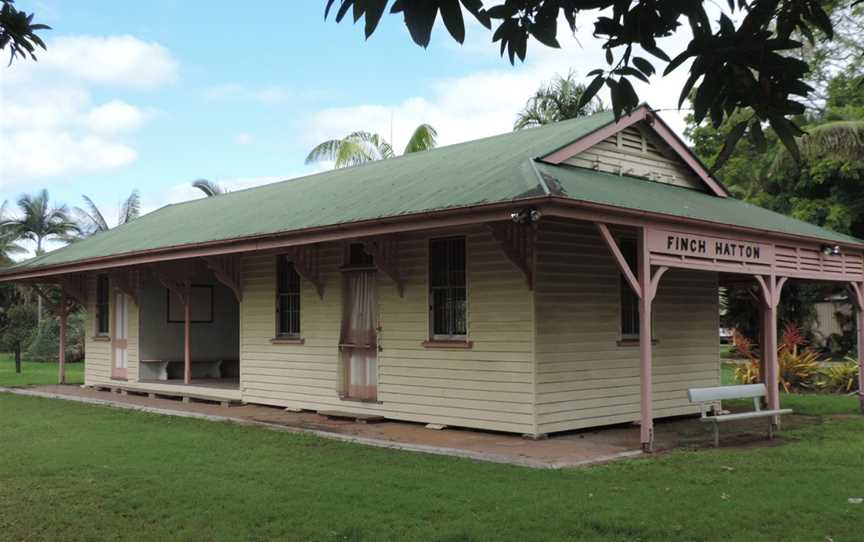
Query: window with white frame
<point>448,292</point>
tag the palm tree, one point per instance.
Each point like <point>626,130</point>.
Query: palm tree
<point>556,101</point>
<point>360,147</point>
<point>94,221</point>
<point>40,223</point>
<point>8,239</point>
<point>209,188</point>
<point>842,139</point>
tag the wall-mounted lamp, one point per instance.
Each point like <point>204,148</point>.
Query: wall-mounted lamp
<point>525,216</point>
<point>830,250</point>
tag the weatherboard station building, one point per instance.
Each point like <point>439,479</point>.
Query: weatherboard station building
<point>534,282</point>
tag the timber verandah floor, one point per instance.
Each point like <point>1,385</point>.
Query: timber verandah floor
<point>213,389</point>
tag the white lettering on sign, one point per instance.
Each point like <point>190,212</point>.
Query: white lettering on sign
<point>700,246</point>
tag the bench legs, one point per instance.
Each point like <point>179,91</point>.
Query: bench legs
<point>716,435</point>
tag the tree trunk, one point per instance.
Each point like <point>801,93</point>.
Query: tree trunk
<point>18,358</point>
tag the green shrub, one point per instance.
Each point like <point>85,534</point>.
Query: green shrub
<point>46,339</point>
<point>841,378</point>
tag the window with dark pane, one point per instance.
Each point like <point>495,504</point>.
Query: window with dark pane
<point>448,294</point>
<point>629,299</point>
<point>357,256</point>
<point>288,299</point>
<point>102,305</point>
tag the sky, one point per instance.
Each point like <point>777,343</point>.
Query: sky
<point>153,95</point>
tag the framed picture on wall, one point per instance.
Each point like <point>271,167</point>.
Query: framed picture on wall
<point>202,306</point>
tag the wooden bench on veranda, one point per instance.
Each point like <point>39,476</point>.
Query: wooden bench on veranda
<point>708,399</point>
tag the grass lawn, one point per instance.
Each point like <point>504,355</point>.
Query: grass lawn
<point>71,471</point>
<point>36,373</point>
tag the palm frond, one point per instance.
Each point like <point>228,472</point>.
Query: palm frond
<point>555,101</point>
<point>130,209</point>
<point>843,140</point>
<point>327,151</point>
<point>425,137</point>
<point>209,188</point>
<point>93,215</point>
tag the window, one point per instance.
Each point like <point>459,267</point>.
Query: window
<point>358,257</point>
<point>447,289</point>
<point>102,304</point>
<point>629,299</point>
<point>287,299</point>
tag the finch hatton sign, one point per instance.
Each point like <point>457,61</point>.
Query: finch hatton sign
<point>714,248</point>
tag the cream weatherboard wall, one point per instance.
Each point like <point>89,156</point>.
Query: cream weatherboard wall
<point>488,386</point>
<point>99,357</point>
<point>584,376</point>
<point>541,362</point>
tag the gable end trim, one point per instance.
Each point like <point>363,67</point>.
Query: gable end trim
<point>661,129</point>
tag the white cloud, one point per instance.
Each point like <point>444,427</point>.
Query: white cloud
<point>50,126</point>
<point>115,116</point>
<point>44,153</point>
<point>486,102</point>
<point>123,61</point>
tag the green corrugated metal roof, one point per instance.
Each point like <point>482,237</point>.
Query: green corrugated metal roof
<point>655,197</point>
<point>491,170</point>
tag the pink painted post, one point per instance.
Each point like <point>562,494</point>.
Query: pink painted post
<point>645,347</point>
<point>859,317</point>
<point>61,355</point>
<point>187,348</point>
<point>772,380</point>
<point>856,292</point>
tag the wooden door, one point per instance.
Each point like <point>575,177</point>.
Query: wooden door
<point>120,338</point>
<point>359,344</point>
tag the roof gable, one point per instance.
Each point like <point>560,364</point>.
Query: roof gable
<point>612,149</point>
<point>636,151</point>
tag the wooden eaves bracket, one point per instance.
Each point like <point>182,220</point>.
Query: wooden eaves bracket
<point>385,253</point>
<point>226,269</point>
<point>518,243</point>
<point>306,262</point>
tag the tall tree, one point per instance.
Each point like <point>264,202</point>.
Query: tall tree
<point>745,58</point>
<point>360,147</point>
<point>9,246</point>
<point>557,100</point>
<point>40,222</point>
<point>93,221</point>
<point>18,32</point>
<point>209,188</point>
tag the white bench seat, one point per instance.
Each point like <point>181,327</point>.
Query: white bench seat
<point>709,398</point>
<point>746,415</point>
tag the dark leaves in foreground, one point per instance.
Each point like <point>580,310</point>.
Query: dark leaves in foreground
<point>752,64</point>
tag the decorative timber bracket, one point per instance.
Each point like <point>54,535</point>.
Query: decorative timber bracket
<point>227,271</point>
<point>652,282</point>
<point>306,262</point>
<point>176,278</point>
<point>385,253</point>
<point>518,243</point>
<point>75,287</point>
<point>61,308</point>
